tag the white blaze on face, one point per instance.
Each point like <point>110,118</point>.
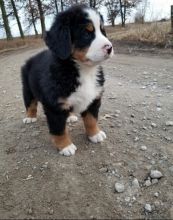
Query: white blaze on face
<point>96,51</point>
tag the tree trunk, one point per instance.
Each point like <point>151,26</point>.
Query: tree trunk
<point>121,12</point>
<point>33,19</point>
<point>17,18</point>
<point>56,6</point>
<point>42,19</point>
<point>113,22</point>
<point>5,21</point>
<point>62,5</point>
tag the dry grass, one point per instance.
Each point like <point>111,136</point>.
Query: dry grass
<point>20,43</point>
<point>156,33</point>
<point>150,33</point>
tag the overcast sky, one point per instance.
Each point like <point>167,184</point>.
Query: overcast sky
<point>157,9</point>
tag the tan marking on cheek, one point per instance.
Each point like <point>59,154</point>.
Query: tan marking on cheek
<point>90,124</point>
<point>61,141</point>
<point>64,104</point>
<point>80,54</point>
<point>90,27</point>
<point>32,110</point>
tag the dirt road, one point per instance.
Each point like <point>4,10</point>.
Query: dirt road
<point>136,114</point>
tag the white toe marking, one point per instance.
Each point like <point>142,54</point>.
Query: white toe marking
<point>72,118</point>
<point>29,120</point>
<point>69,150</point>
<point>99,137</point>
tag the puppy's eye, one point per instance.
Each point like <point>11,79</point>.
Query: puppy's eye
<point>89,27</point>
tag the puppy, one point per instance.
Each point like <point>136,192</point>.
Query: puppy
<point>68,77</point>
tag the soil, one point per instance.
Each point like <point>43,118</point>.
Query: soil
<point>38,183</point>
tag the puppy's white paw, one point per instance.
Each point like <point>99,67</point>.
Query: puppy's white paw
<point>69,150</point>
<point>29,120</point>
<point>72,118</point>
<point>99,137</point>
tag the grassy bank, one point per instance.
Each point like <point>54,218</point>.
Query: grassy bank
<point>156,33</point>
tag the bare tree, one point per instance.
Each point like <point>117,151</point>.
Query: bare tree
<point>95,3</point>
<point>5,20</point>
<point>125,9</point>
<point>113,10</point>
<point>42,18</point>
<point>141,11</point>
<point>15,11</point>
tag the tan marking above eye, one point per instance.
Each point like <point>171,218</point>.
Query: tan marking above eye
<point>90,27</point>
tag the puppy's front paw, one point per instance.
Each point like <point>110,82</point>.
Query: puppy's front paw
<point>72,118</point>
<point>99,137</point>
<point>69,150</point>
<point>29,120</point>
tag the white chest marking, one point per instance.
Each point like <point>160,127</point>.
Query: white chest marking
<point>87,91</point>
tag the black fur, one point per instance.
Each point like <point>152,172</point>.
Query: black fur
<point>53,73</point>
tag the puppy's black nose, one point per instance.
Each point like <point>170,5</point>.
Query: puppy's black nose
<point>108,48</point>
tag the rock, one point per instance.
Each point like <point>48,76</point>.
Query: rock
<point>147,183</point>
<point>155,174</point>
<point>119,187</point>
<point>156,194</point>
<point>171,169</point>
<point>136,139</point>
<point>127,199</point>
<point>143,148</point>
<point>169,123</point>
<point>153,125</point>
<point>135,183</point>
<point>30,211</point>
<point>154,181</point>
<point>103,170</point>
<point>50,211</point>
<point>148,207</point>
<point>117,111</point>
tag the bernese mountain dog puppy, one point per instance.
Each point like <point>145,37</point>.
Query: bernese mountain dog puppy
<point>68,77</point>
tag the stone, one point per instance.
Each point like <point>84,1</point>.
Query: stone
<point>119,187</point>
<point>103,170</point>
<point>169,123</point>
<point>154,181</point>
<point>153,125</point>
<point>155,174</point>
<point>148,207</point>
<point>156,194</point>
<point>147,183</point>
<point>143,148</point>
<point>135,183</point>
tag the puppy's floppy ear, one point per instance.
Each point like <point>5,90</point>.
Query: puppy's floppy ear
<point>58,39</point>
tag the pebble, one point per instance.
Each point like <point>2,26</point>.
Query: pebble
<point>148,207</point>
<point>171,169</point>
<point>127,199</point>
<point>169,123</point>
<point>103,170</point>
<point>155,174</point>
<point>30,211</point>
<point>156,194</point>
<point>143,148</point>
<point>153,125</point>
<point>50,211</point>
<point>119,187</point>
<point>147,183</point>
<point>136,139</point>
<point>154,181</point>
<point>135,183</point>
